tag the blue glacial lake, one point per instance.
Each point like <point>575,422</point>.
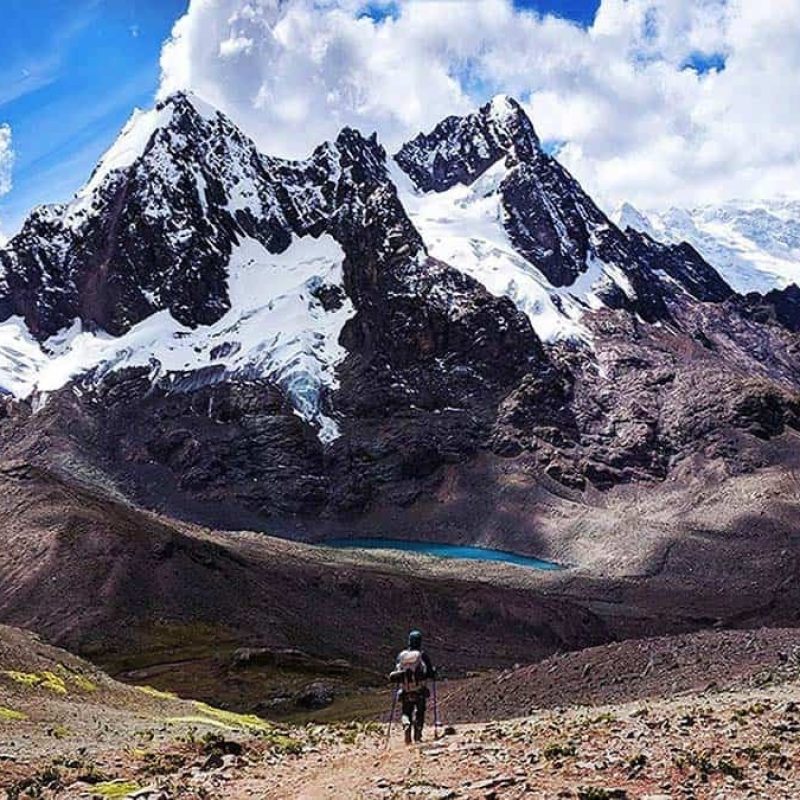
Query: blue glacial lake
<point>442,551</point>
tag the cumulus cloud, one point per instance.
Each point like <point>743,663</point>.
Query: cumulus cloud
<point>659,101</point>
<point>6,159</point>
<point>6,163</point>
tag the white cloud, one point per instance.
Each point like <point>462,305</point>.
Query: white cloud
<point>6,159</point>
<point>633,121</point>
<point>6,163</point>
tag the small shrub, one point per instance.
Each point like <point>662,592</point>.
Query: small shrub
<point>58,731</point>
<point>637,763</point>
<point>599,793</point>
<point>285,744</point>
<point>10,715</point>
<point>556,750</point>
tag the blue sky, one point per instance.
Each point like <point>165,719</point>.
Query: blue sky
<point>581,11</point>
<point>71,72</point>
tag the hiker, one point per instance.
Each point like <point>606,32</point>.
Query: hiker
<point>412,672</point>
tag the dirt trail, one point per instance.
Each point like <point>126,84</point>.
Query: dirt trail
<point>732,745</point>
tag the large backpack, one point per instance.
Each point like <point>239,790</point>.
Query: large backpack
<point>412,665</point>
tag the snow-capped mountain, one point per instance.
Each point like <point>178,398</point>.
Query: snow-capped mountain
<point>178,254</point>
<point>332,333</point>
<point>754,246</point>
<point>516,221</point>
<point>189,250</point>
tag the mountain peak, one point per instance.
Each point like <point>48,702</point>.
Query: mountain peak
<point>628,216</point>
<point>512,125</point>
<point>176,110</point>
<point>185,100</point>
<point>461,149</point>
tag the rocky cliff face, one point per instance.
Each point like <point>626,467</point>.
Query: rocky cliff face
<point>207,325</point>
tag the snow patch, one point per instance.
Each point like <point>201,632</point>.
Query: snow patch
<point>276,329</point>
<point>502,111</point>
<point>129,145</point>
<point>463,227</point>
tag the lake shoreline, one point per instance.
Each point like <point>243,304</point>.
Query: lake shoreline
<point>443,550</point>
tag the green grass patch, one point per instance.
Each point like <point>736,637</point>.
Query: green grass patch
<point>52,682</point>
<point>285,744</point>
<point>231,718</point>
<point>157,693</point>
<point>231,721</point>
<point>227,720</point>
<point>44,680</point>
<point>115,788</point>
<point>9,715</point>
<point>83,683</point>
<point>29,679</point>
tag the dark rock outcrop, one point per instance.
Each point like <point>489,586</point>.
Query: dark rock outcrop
<point>460,149</point>
<point>779,305</point>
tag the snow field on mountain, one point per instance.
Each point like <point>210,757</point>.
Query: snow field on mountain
<point>754,246</point>
<point>275,329</point>
<point>463,227</point>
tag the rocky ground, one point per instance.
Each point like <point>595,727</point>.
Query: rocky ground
<point>708,661</point>
<point>739,744</point>
<point>67,730</point>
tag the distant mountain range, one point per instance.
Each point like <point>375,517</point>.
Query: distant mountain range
<point>754,246</point>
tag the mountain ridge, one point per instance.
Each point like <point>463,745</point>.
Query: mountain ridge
<point>483,310</point>
<point>754,244</point>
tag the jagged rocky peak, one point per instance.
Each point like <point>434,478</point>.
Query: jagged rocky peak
<point>155,226</point>
<point>461,149</point>
<point>545,214</point>
<point>152,229</point>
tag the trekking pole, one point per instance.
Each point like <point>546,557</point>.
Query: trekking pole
<point>436,723</point>
<point>391,718</point>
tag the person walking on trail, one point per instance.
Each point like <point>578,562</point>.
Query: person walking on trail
<point>412,672</point>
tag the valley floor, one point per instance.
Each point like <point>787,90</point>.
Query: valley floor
<point>715,715</point>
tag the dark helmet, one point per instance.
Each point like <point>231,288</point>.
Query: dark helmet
<point>415,640</point>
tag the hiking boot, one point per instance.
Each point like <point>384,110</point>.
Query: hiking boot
<point>408,735</point>
<point>417,735</point>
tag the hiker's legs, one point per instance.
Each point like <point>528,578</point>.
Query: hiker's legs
<point>408,705</point>
<point>419,718</point>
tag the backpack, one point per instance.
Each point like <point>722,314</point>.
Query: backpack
<point>412,665</point>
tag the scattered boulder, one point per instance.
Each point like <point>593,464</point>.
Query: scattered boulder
<point>315,696</point>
